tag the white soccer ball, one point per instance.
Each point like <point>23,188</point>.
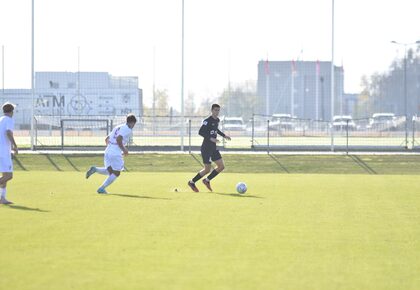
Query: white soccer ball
<point>241,187</point>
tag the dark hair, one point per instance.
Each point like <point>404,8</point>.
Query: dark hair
<point>8,107</point>
<point>131,118</point>
<point>215,106</point>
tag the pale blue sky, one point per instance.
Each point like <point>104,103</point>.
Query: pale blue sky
<point>119,36</point>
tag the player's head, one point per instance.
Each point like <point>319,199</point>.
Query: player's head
<point>215,110</point>
<point>8,108</point>
<point>131,120</point>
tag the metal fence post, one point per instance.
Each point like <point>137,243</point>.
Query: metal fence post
<point>223,139</point>
<point>36,132</point>
<point>332,135</point>
<point>252,131</point>
<point>268,136</point>
<point>107,127</point>
<point>62,134</point>
<point>347,136</point>
<point>406,132</point>
<point>189,135</point>
<point>413,141</point>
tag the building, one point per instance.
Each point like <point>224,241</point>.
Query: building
<point>299,88</point>
<point>76,94</point>
<point>350,103</point>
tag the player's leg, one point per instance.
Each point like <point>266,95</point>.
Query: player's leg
<point>217,158</point>
<point>203,172</point>
<point>114,166</point>
<point>95,169</point>
<point>7,176</point>
<point>199,175</point>
<point>6,167</point>
<point>113,175</point>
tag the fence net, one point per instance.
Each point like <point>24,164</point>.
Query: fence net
<point>261,132</point>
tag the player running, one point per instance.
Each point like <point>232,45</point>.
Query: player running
<point>209,130</point>
<point>113,157</point>
<point>7,148</point>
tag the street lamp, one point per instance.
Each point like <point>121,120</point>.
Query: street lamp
<point>405,85</point>
<point>182,74</point>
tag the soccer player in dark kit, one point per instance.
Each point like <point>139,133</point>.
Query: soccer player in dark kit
<point>209,131</point>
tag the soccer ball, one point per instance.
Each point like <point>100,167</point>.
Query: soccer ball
<point>241,187</point>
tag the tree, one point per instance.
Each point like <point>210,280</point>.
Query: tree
<point>205,107</point>
<point>189,105</point>
<point>162,105</point>
<point>385,91</point>
<point>239,100</point>
<point>363,108</point>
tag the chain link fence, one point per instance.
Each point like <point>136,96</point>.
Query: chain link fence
<point>258,133</point>
<point>379,133</point>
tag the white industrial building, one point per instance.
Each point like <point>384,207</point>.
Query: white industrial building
<point>76,94</point>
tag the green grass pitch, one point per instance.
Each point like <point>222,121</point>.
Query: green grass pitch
<point>289,231</point>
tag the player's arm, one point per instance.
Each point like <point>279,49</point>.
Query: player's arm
<point>9,134</point>
<point>106,140</point>
<point>223,134</point>
<point>205,132</point>
<point>121,145</point>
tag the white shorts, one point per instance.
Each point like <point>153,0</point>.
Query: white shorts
<point>6,164</point>
<point>115,161</point>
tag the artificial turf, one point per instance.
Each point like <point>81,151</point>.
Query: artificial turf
<point>289,231</point>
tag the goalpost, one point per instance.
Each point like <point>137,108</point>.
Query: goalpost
<point>71,131</point>
<point>84,132</point>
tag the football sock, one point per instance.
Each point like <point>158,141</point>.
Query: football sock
<point>197,178</point>
<point>3,192</point>
<point>213,174</point>
<point>109,180</point>
<point>101,170</point>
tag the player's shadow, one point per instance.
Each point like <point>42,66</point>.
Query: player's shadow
<point>236,195</point>
<point>71,163</point>
<point>52,162</point>
<point>279,163</point>
<point>363,164</point>
<point>196,159</point>
<point>22,207</point>
<point>137,196</point>
<point>19,163</point>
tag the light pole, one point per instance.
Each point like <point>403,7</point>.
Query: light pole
<point>2,70</point>
<point>405,85</point>
<point>182,78</point>
<point>33,76</point>
<point>332,72</point>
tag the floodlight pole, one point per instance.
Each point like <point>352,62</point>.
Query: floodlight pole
<point>32,78</point>
<point>182,82</point>
<point>154,92</point>
<point>267,94</point>
<point>2,70</point>
<point>405,86</point>
<point>317,91</point>
<point>332,75</point>
<point>405,96</point>
<point>292,92</point>
<point>229,110</point>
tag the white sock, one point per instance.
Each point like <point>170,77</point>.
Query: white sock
<point>3,192</point>
<point>101,170</point>
<point>109,180</point>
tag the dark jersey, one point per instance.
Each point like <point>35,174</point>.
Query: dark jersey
<point>210,129</point>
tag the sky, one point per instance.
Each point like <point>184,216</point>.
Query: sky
<point>224,39</point>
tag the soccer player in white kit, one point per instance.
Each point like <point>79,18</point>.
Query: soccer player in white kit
<point>113,158</point>
<point>7,146</point>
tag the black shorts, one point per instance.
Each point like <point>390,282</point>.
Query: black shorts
<point>210,155</point>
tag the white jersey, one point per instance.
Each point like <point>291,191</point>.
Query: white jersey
<point>122,130</point>
<point>6,124</point>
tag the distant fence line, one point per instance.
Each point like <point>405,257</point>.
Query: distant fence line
<point>260,132</point>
